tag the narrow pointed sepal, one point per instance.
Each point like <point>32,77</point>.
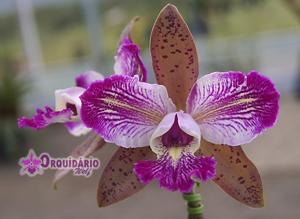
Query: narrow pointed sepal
<point>174,55</point>
<point>236,174</point>
<point>118,180</point>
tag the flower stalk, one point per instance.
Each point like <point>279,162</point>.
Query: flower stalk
<point>194,206</point>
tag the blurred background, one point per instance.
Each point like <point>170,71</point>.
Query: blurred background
<point>44,44</point>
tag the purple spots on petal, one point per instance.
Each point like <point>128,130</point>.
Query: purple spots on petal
<point>172,34</point>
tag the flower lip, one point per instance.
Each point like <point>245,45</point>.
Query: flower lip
<point>178,175</point>
<point>175,137</point>
<point>176,130</point>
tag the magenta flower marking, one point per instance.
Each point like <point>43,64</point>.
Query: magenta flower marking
<point>31,164</point>
<point>68,104</point>
<point>43,118</point>
<point>224,108</point>
<point>67,107</point>
<point>85,79</point>
<point>128,60</point>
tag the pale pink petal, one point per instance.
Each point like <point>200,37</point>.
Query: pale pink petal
<point>77,128</point>
<point>125,111</point>
<point>85,79</point>
<point>233,108</point>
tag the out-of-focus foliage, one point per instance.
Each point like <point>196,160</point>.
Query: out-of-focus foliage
<point>214,18</point>
<point>64,36</point>
<point>57,18</point>
<point>8,27</point>
<point>62,32</point>
<point>12,89</point>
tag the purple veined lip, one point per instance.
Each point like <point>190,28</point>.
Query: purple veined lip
<point>178,175</point>
<point>175,136</point>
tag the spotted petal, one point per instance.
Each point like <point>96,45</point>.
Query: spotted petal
<point>128,59</point>
<point>123,110</point>
<point>44,118</point>
<point>174,55</point>
<point>85,79</point>
<point>118,180</point>
<point>233,108</point>
<point>236,174</point>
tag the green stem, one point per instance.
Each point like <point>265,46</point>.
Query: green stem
<point>194,206</point>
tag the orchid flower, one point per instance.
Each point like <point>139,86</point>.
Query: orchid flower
<point>128,61</point>
<point>67,102</point>
<point>67,107</point>
<point>177,116</point>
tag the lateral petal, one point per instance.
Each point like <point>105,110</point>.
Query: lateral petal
<point>125,111</point>
<point>233,108</point>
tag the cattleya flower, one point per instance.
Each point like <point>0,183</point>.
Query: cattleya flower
<point>194,127</point>
<point>176,117</point>
<point>68,105</point>
<point>223,108</point>
<point>67,102</point>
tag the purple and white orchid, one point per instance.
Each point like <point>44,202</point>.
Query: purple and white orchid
<point>194,127</point>
<point>223,108</point>
<point>128,61</point>
<point>229,108</point>
<point>67,103</point>
<point>67,107</point>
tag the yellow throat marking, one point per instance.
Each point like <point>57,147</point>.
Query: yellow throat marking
<point>175,152</point>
